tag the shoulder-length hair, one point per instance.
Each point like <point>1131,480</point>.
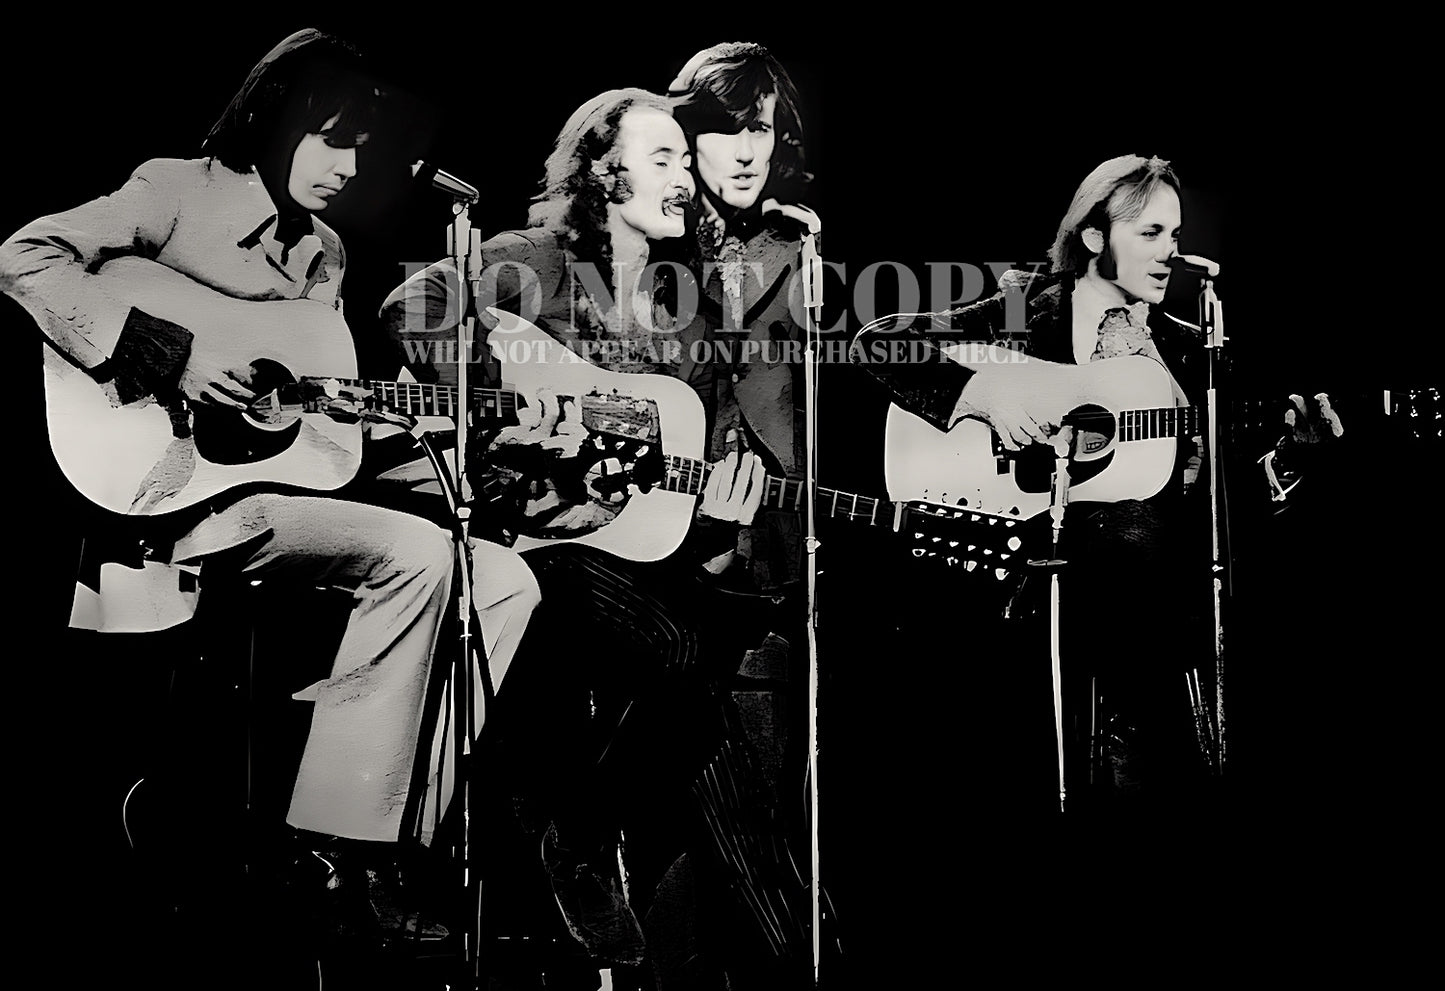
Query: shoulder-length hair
<point>583,174</point>
<point>293,91</point>
<point>721,91</point>
<point>1115,192</point>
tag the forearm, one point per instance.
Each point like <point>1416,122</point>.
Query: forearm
<point>906,357</point>
<point>55,267</point>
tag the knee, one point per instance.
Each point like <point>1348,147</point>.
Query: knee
<point>423,550</point>
<point>527,592</point>
<point>500,574</point>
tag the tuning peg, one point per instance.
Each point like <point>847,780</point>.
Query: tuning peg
<point>953,543</point>
<point>969,566</point>
<point>973,547</point>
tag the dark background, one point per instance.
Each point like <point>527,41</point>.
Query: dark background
<point>958,142</point>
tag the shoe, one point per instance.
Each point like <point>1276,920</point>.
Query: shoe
<point>325,890</point>
<point>386,891</point>
<point>593,905</point>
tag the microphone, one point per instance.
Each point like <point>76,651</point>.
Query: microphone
<point>445,181</point>
<point>1195,263</point>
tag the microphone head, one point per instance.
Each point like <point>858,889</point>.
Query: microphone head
<point>1195,263</point>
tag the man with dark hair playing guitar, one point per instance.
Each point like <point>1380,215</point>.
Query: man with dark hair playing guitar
<point>650,619</point>
<point>178,312</point>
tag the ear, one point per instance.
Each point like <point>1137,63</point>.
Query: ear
<point>602,174</point>
<point>1093,240</point>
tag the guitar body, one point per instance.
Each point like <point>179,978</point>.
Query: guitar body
<point>966,466</point>
<point>129,459</point>
<point>652,524</point>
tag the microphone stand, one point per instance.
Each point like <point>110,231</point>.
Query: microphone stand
<point>812,273</point>
<point>1211,322</point>
<point>1063,443</point>
<point>469,661</point>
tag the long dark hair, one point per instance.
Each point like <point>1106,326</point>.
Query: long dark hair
<point>299,85</point>
<point>721,90</point>
<point>583,175</point>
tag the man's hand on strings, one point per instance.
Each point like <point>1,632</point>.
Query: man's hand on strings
<point>734,490</point>
<point>547,423</point>
<point>217,382</point>
<point>1024,403</point>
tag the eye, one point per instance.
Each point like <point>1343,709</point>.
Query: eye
<point>343,141</point>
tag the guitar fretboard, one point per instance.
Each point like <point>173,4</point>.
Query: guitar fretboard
<point>1148,424</point>
<point>689,475</point>
<point>420,399</point>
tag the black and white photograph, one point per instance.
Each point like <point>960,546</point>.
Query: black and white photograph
<point>652,501</point>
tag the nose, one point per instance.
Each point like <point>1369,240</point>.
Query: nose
<point>683,180</point>
<point>345,164</point>
<point>745,146</point>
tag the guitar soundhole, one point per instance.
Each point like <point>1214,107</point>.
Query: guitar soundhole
<point>566,498</point>
<point>265,429</point>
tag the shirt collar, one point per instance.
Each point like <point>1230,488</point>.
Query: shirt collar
<point>261,220</point>
<point>260,217</point>
<point>1090,300</point>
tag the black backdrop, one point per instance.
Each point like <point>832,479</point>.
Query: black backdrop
<point>955,142</point>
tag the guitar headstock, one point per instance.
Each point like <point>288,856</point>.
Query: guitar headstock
<point>967,541</point>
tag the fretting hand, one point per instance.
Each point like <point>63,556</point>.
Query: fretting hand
<point>1310,430</point>
<point>734,490</point>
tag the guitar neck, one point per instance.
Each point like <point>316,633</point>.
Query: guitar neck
<point>420,399</point>
<point>1150,424</point>
<point>689,475</point>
